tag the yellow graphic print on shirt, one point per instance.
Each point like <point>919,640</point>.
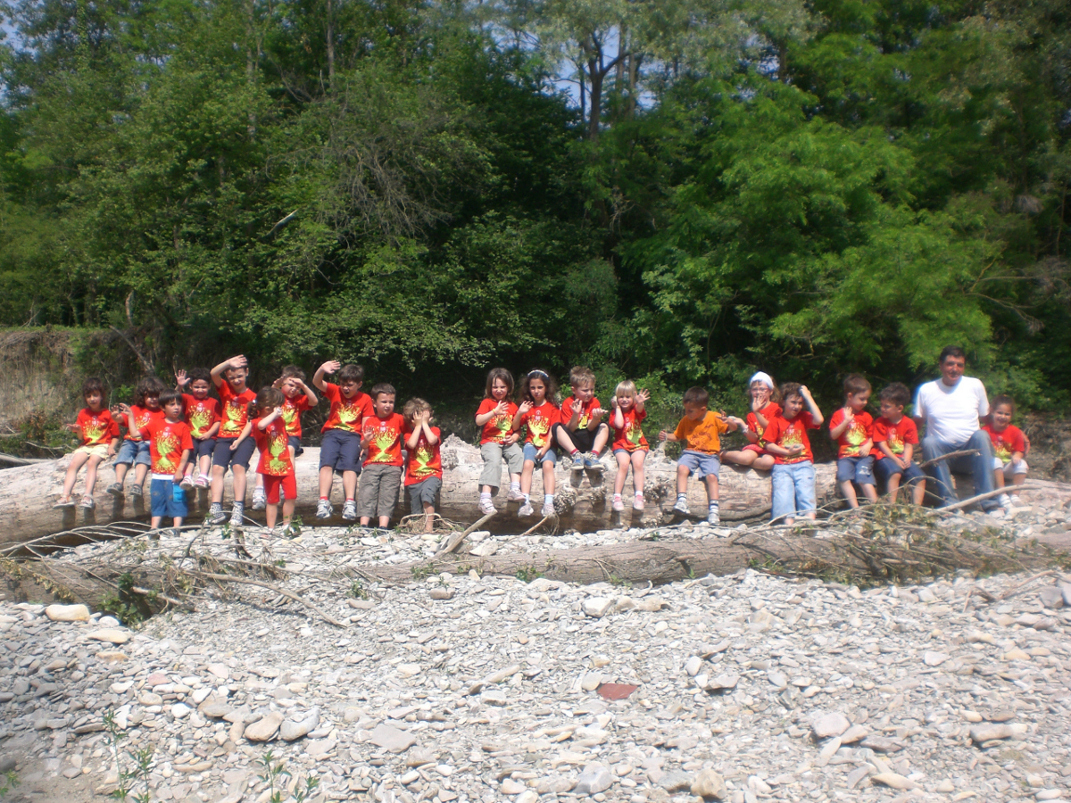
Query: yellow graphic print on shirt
<point>93,431</point>
<point>896,446</point>
<point>166,444</point>
<point>792,438</point>
<point>233,414</point>
<point>278,444</point>
<point>503,423</point>
<point>1002,450</point>
<point>347,414</point>
<point>383,440</point>
<point>538,427</point>
<point>200,421</point>
<point>633,433</point>
<point>855,437</point>
<point>288,414</point>
<point>422,458</point>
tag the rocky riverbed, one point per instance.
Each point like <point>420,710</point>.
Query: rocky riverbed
<point>467,688</point>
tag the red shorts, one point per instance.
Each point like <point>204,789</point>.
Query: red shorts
<point>273,484</point>
<point>754,447</point>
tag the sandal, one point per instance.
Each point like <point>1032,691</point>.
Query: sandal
<point>87,503</point>
<point>64,501</point>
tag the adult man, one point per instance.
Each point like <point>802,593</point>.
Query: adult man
<point>951,407</point>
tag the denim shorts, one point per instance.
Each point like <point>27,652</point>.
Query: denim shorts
<point>167,498</point>
<point>885,468</point>
<point>530,454</point>
<point>131,452</point>
<point>223,456</point>
<point>202,447</point>
<point>341,450</point>
<point>793,489</point>
<point>702,465</point>
<point>856,469</point>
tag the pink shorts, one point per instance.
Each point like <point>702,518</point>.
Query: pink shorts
<point>753,447</point>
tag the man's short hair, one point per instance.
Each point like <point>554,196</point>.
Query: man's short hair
<point>351,373</point>
<point>951,351</point>
<point>854,384</point>
<point>897,393</point>
<point>697,396</point>
<point>381,389</point>
<point>581,375</point>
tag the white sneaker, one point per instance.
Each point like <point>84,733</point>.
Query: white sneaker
<point>216,514</point>
<point>349,510</point>
<point>578,462</point>
<point>681,506</point>
<point>526,510</point>
<point>487,506</point>
<point>324,509</point>
<point>514,495</point>
<point>713,518</point>
<point>260,499</point>
<point>1015,499</point>
<point>548,510</point>
<point>187,481</point>
<point>591,460</point>
<point>1004,501</point>
<point>637,503</point>
<point>238,514</point>
<point>618,504</point>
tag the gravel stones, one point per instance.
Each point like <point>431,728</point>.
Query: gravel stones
<point>392,739</point>
<point>291,729</point>
<point>828,725</point>
<point>709,785</point>
<point>264,730</point>
<point>594,779</point>
<point>67,613</point>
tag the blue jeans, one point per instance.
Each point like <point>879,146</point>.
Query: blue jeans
<point>793,489</point>
<point>980,466</point>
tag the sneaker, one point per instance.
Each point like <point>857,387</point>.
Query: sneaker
<point>260,499</point>
<point>64,503</point>
<point>349,510</point>
<point>514,495</point>
<point>115,489</point>
<point>288,531</point>
<point>201,481</point>
<point>1004,501</point>
<point>324,509</point>
<point>487,507</point>
<point>681,506</point>
<point>637,503</point>
<point>578,462</point>
<point>548,510</point>
<point>592,463</point>
<point>526,510</point>
<point>618,504</point>
<point>713,517</point>
<point>1015,500</point>
<point>136,491</point>
<point>238,515</point>
<point>216,514</point>
<point>187,481</point>
<point>87,503</point>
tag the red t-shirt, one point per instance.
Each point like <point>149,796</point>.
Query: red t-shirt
<point>769,412</point>
<point>857,433</point>
<point>895,436</point>
<point>539,421</point>
<point>498,428</point>
<point>424,460</point>
<point>235,413</point>
<point>786,433</point>
<point>167,441</point>
<point>274,449</point>
<point>201,414</point>
<point>382,437</point>
<point>346,414</point>
<point>630,436</point>
<point>1006,442</point>
<point>585,411</point>
<point>291,413</point>
<point>142,417</point>
<point>98,429</point>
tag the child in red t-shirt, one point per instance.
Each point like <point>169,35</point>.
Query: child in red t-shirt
<point>276,464</point>
<point>538,414</point>
<point>629,447</point>
<point>170,445</point>
<point>792,477</point>
<point>381,476</point>
<point>1009,448</point>
<point>498,441</point>
<point>580,431</point>
<point>297,398</point>
<point>895,438</point>
<point>424,469</point>
<point>134,450</point>
<point>230,377</point>
<point>340,447</point>
<point>765,406</point>
<point>202,417</point>
<point>100,436</point>
<point>851,427</point>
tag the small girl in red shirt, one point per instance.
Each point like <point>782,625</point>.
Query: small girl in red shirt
<point>276,466</point>
<point>765,406</point>
<point>538,414</point>
<point>498,440</point>
<point>1009,448</point>
<point>100,436</point>
<point>629,446</point>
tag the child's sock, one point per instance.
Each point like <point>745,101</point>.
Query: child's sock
<point>574,453</point>
<point>548,499</point>
<point>713,507</point>
<point>527,498</point>
<point>685,497</point>
<point>323,498</point>
<point>485,496</point>
<point>515,486</point>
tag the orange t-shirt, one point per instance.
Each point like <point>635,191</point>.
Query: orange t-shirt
<point>498,428</point>
<point>273,443</point>
<point>98,429</point>
<point>539,421</point>
<point>382,437</point>
<point>235,414</point>
<point>425,460</point>
<point>291,414</point>
<point>785,433</point>
<point>858,432</point>
<point>346,414</point>
<point>585,411</point>
<point>167,441</point>
<point>201,414</point>
<point>702,436</point>
<point>630,436</point>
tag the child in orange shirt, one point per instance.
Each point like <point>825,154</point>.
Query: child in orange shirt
<point>700,431</point>
<point>100,436</point>
<point>852,428</point>
<point>1009,448</point>
<point>340,448</point>
<point>629,446</point>
<point>381,436</point>
<point>297,398</point>
<point>792,477</point>
<point>202,417</point>
<point>276,464</point>
<point>135,449</point>
<point>538,414</point>
<point>170,445</point>
<point>498,440</point>
<point>765,406</point>
<point>424,469</point>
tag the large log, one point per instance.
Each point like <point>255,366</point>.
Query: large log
<point>27,494</point>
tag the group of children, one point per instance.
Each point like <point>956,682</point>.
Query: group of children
<point>189,439</point>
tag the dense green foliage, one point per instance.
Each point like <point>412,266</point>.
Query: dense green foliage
<point>804,188</point>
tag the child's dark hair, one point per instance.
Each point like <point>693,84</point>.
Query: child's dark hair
<point>581,375</point>
<point>897,393</point>
<point>195,374</point>
<point>1001,400</point>
<point>351,373</point>
<point>414,406</point>
<point>854,384</point>
<point>790,389</point>
<point>147,386</point>
<point>498,373</point>
<point>169,396</point>
<point>94,385</point>
<point>697,396</point>
<point>294,372</point>
<point>267,397</point>
<point>381,388</point>
<point>548,382</point>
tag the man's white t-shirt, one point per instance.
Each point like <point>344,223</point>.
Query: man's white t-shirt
<point>952,413</point>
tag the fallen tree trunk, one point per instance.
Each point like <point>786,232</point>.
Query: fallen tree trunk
<point>27,494</point>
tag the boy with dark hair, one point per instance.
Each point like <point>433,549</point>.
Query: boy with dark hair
<point>381,434</point>
<point>230,377</point>
<point>134,450</point>
<point>100,437</point>
<point>851,427</point>
<point>297,398</point>
<point>700,431</point>
<point>895,438</point>
<point>170,445</point>
<point>202,417</point>
<point>792,477</point>
<point>582,433</point>
<point>340,449</point>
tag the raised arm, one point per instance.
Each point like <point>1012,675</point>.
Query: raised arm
<point>326,369</point>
